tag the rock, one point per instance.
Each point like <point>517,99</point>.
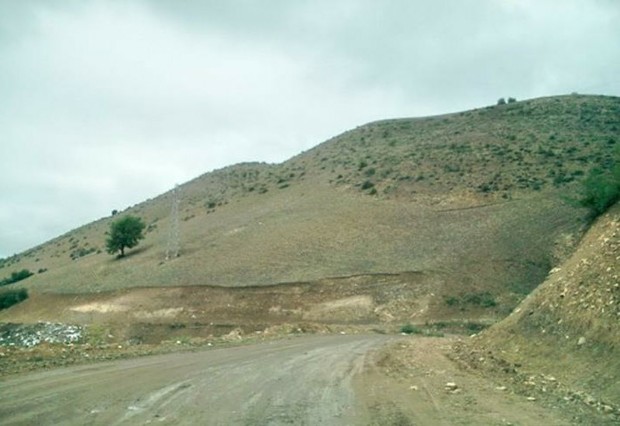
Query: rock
<point>581,341</point>
<point>501,388</point>
<point>531,398</point>
<point>451,386</point>
<point>413,387</point>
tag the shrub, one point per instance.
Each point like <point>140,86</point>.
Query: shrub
<point>451,301</point>
<point>600,190</point>
<point>501,101</point>
<point>474,326</point>
<point>483,299</point>
<point>16,276</point>
<point>410,329</point>
<point>81,252</point>
<point>367,185</point>
<point>12,297</point>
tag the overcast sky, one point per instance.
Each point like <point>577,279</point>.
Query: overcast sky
<point>104,104</point>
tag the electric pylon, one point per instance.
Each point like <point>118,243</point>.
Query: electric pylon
<point>174,237</point>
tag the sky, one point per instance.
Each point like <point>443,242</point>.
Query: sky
<point>104,104</point>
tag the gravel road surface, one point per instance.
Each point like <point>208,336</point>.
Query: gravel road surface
<point>301,381</point>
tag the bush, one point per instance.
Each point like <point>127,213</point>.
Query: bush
<point>367,185</point>
<point>410,329</point>
<point>12,297</point>
<point>474,326</point>
<point>81,252</point>
<point>451,301</point>
<point>600,190</point>
<point>16,276</point>
<point>483,299</point>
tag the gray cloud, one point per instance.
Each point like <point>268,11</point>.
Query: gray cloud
<point>106,103</point>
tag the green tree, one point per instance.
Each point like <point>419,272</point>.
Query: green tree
<point>124,233</point>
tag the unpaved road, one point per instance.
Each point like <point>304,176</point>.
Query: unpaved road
<point>298,381</point>
<point>316,380</point>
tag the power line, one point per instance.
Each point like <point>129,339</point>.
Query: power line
<point>174,237</point>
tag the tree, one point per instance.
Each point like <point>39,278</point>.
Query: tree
<point>124,233</point>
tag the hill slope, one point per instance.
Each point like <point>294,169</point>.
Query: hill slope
<point>568,327</point>
<point>473,200</point>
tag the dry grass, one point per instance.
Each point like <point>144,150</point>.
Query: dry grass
<point>473,198</point>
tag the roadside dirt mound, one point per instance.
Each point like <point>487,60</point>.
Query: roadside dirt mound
<point>413,382</point>
<point>565,335</point>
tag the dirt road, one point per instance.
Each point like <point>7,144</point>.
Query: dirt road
<point>298,381</point>
<point>316,380</point>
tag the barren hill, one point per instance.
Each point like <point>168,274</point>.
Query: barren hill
<point>472,201</point>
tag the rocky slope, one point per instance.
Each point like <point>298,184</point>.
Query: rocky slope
<point>565,336</point>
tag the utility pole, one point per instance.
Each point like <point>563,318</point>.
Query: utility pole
<point>174,237</point>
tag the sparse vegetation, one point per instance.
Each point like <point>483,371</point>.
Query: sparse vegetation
<point>491,154</point>
<point>124,233</point>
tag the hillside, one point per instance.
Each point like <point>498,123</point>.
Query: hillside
<point>474,201</point>
<point>567,329</point>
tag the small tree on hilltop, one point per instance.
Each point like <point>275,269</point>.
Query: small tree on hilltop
<point>124,233</point>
